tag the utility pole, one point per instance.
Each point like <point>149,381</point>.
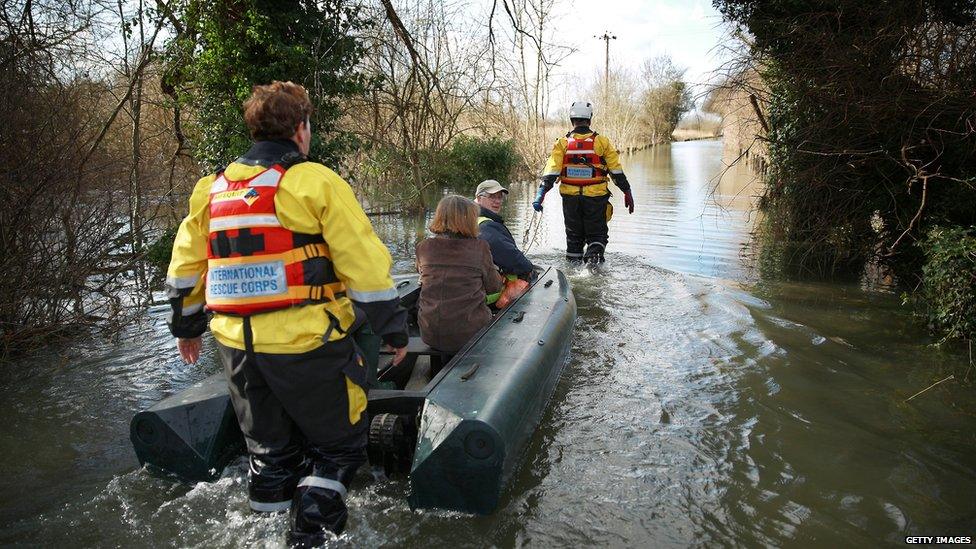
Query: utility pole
<point>607,37</point>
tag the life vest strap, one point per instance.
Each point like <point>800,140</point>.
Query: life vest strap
<point>582,182</point>
<point>294,255</point>
<point>324,292</point>
<point>311,251</point>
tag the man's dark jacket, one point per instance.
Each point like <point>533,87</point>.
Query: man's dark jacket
<point>504,252</point>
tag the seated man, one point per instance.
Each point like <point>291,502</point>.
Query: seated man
<point>511,262</point>
<point>490,195</point>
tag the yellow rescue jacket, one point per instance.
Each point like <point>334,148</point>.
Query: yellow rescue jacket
<point>602,147</point>
<point>311,199</point>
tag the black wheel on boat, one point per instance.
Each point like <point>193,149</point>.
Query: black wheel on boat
<point>386,432</point>
<point>390,443</point>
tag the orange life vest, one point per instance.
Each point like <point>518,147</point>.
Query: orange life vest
<point>514,287</point>
<point>581,165</point>
<point>254,265</point>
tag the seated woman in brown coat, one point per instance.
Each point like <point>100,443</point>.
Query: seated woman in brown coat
<point>456,272</point>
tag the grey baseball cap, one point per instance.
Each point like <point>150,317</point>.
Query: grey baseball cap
<point>489,186</point>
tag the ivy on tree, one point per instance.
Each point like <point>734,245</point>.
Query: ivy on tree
<point>225,47</point>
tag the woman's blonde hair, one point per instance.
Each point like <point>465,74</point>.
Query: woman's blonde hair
<point>456,214</point>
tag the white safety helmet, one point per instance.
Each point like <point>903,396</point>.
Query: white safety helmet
<point>581,109</point>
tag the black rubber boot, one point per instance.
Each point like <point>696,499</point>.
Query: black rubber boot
<point>595,230</point>
<point>594,253</point>
<point>272,480</point>
<point>318,515</point>
<point>318,509</point>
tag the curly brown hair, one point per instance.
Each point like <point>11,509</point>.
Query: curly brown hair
<point>455,215</point>
<point>275,110</point>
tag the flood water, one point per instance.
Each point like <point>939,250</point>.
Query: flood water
<point>701,405</point>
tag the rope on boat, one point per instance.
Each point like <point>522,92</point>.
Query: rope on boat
<point>531,235</point>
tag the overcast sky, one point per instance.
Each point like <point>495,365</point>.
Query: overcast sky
<point>687,30</point>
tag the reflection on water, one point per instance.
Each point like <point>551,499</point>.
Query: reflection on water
<point>692,215</point>
<point>698,408</point>
<point>695,217</point>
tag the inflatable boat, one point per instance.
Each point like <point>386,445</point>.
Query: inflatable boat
<point>458,429</point>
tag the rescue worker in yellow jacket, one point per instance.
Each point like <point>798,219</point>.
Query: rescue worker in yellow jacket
<point>583,161</point>
<point>279,250</point>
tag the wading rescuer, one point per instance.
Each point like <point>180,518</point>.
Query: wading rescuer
<point>278,248</point>
<point>582,162</point>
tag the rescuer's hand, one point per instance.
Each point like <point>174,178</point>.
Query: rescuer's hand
<point>189,349</point>
<point>399,353</point>
<point>629,201</point>
<point>540,195</point>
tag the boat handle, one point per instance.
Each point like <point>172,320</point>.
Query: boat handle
<point>547,284</point>
<point>519,316</point>
<point>470,373</point>
<point>403,283</point>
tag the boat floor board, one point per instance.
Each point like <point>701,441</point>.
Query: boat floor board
<point>415,346</point>
<point>420,376</point>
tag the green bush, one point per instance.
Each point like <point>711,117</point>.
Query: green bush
<point>867,151</point>
<point>389,178</point>
<point>470,160</point>
<point>160,251</point>
<point>948,288</point>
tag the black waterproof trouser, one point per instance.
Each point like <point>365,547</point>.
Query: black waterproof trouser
<point>304,447</point>
<point>586,225</point>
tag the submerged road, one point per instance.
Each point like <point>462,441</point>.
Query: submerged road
<point>701,406</point>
